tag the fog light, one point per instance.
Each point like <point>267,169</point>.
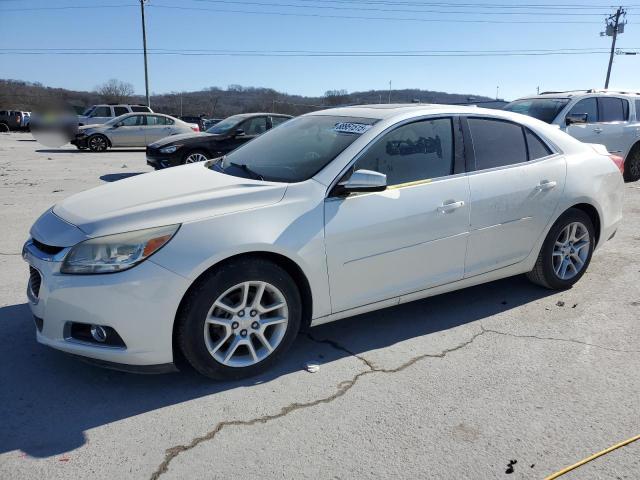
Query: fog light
<point>98,333</point>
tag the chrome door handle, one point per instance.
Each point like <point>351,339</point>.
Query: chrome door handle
<point>450,207</point>
<point>597,130</point>
<point>546,185</point>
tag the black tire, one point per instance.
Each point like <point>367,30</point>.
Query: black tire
<point>4,128</point>
<point>632,165</point>
<point>195,307</point>
<point>192,153</point>
<point>543,272</point>
<point>98,143</point>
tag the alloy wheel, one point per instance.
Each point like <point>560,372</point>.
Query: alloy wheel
<point>98,144</point>
<point>571,250</point>
<point>246,324</point>
<point>195,157</point>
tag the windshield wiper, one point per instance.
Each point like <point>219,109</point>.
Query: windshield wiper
<point>243,166</point>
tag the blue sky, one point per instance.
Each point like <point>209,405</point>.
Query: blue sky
<point>221,27</point>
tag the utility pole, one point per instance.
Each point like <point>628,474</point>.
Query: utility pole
<point>389,92</point>
<point>613,28</point>
<point>144,46</point>
<point>497,92</point>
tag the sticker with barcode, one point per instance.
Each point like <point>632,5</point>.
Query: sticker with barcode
<point>350,127</point>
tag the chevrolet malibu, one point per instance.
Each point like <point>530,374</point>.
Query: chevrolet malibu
<point>332,214</point>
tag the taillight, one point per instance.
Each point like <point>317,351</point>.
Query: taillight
<point>619,161</point>
<point>195,128</point>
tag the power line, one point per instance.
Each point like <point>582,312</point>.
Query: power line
<point>359,17</point>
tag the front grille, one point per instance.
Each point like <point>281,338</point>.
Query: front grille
<point>35,280</point>
<point>49,249</point>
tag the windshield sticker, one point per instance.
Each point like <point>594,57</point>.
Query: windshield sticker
<point>349,127</point>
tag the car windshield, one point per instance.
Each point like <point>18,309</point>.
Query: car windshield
<point>88,111</point>
<point>296,150</point>
<point>545,109</point>
<point>227,124</point>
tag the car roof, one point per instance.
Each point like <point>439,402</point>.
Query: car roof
<point>387,111</point>
<point>581,93</point>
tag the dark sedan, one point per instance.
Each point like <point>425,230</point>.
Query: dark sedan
<point>218,140</point>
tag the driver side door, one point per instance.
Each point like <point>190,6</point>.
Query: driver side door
<point>409,237</point>
<point>129,132</point>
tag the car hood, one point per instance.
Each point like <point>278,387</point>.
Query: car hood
<point>185,138</point>
<point>182,194</point>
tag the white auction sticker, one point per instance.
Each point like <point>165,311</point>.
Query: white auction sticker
<point>349,127</point>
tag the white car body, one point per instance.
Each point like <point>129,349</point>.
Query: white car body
<point>122,135</point>
<point>98,114</point>
<point>620,134</point>
<point>353,255</point>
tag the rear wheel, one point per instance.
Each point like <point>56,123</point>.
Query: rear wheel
<point>566,252</point>
<point>98,143</point>
<point>195,157</point>
<point>4,128</point>
<point>632,165</point>
<point>240,319</point>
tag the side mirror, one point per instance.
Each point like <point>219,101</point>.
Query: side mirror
<point>117,125</point>
<point>239,132</point>
<point>363,181</point>
<point>576,118</point>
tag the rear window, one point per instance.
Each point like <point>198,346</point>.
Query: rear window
<point>137,108</point>
<point>497,143</point>
<point>545,109</point>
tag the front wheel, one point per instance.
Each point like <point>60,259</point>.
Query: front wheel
<point>98,143</point>
<point>566,252</point>
<point>240,319</point>
<point>195,157</point>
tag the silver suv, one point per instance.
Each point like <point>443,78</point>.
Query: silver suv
<point>608,117</point>
<point>103,113</point>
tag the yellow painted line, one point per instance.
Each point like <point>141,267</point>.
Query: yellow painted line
<point>592,457</point>
<point>408,184</point>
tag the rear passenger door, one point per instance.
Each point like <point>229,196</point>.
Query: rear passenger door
<point>515,182</point>
<point>157,127</point>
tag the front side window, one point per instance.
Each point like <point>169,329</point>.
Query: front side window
<point>255,126</point>
<point>417,151</point>
<point>101,112</point>
<point>296,150</point>
<point>613,109</point>
<point>226,125</point>
<point>588,106</point>
<point>497,143</point>
<point>638,110</point>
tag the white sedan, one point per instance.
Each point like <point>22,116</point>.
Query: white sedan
<point>332,214</point>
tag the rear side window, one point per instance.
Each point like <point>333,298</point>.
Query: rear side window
<point>497,143</point>
<point>535,146</point>
<point>588,106</point>
<point>417,151</point>
<point>120,111</point>
<point>638,110</point>
<point>140,109</point>
<point>275,121</point>
<point>613,109</point>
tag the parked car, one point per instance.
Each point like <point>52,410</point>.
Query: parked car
<point>210,122</point>
<point>334,213</point>
<point>14,120</point>
<point>130,130</point>
<point>608,117</point>
<point>194,119</point>
<point>97,114</point>
<point>215,142</point>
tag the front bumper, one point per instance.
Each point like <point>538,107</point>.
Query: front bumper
<point>159,160</point>
<point>140,304</point>
<point>80,141</point>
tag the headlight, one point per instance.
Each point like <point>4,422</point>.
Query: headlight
<point>115,253</point>
<point>169,149</point>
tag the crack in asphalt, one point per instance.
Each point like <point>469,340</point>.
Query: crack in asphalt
<point>341,389</point>
<point>569,340</point>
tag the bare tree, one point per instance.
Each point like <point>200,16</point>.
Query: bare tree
<point>336,97</point>
<point>115,91</point>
